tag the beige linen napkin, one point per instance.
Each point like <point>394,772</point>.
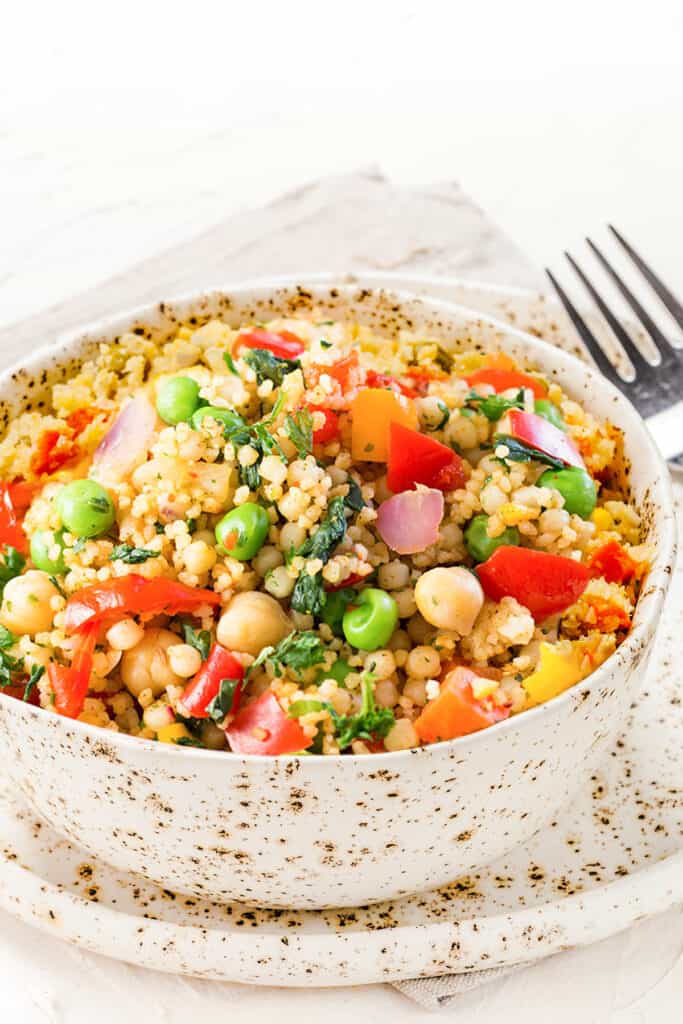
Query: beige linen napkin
<point>351,223</point>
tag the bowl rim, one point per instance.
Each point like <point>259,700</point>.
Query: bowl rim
<point>659,576</point>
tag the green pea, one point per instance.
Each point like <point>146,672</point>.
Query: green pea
<point>478,542</point>
<point>304,707</point>
<point>242,532</point>
<point>42,542</point>
<point>339,670</point>
<point>576,487</point>
<point>177,399</point>
<point>550,412</point>
<point>369,623</point>
<point>228,417</point>
<point>85,508</point>
<point>335,606</point>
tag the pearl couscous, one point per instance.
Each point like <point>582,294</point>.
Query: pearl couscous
<point>300,537</point>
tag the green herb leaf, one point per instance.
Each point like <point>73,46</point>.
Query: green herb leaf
<point>221,705</point>
<point>229,362</point>
<point>297,651</point>
<point>11,565</point>
<point>7,639</point>
<point>130,555</point>
<point>188,741</point>
<point>9,665</point>
<point>443,359</point>
<point>370,721</point>
<point>445,414</point>
<point>325,344</point>
<point>199,639</point>
<point>299,430</point>
<point>494,406</point>
<point>354,498</point>
<point>37,672</point>
<point>266,366</point>
<point>308,595</point>
<point>520,452</point>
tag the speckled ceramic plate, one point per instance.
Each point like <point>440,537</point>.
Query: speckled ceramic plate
<point>613,857</point>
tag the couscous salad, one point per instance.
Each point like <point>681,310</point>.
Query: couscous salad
<point>300,537</point>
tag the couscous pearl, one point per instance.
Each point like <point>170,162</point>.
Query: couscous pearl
<point>393,576</point>
<point>423,662</point>
<point>402,736</point>
<point>268,558</point>
<point>199,557</point>
<point>279,583</point>
<point>415,690</point>
<point>124,634</point>
<point>381,664</point>
<point>386,693</point>
<point>273,469</point>
<point>184,660</point>
<point>292,536</point>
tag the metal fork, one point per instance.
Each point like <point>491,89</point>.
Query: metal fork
<point>655,386</point>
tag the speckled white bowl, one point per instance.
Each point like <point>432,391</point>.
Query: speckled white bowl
<point>327,831</point>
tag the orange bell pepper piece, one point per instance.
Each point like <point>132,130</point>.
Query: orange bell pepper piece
<point>373,410</point>
<point>456,711</point>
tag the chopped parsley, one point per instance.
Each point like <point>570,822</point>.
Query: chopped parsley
<point>57,585</point>
<point>230,363</point>
<point>445,413</point>
<point>221,705</point>
<point>308,595</point>
<point>325,344</point>
<point>130,555</point>
<point>37,672</point>
<point>299,430</point>
<point>7,639</point>
<point>297,651</point>
<point>8,665</point>
<point>494,406</point>
<point>370,721</point>
<point>11,564</point>
<point>266,366</point>
<point>520,452</point>
<point>199,639</point>
<point>354,498</point>
<point>443,359</point>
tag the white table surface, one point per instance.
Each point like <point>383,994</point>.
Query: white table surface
<point>127,130</point>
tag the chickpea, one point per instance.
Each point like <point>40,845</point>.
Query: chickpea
<point>423,663</point>
<point>147,664</point>
<point>251,622</point>
<point>450,598</point>
<point>26,603</point>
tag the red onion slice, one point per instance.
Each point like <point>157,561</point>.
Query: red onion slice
<point>409,522</point>
<point>126,444</point>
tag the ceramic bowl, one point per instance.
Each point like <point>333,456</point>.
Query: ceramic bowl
<point>334,831</point>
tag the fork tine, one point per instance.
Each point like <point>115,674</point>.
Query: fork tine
<point>587,336</point>
<point>638,360</point>
<point>642,314</point>
<point>655,282</point>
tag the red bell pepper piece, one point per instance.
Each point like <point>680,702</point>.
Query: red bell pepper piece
<point>543,583</point>
<point>383,380</point>
<point>200,691</point>
<point>613,562</point>
<point>330,428</point>
<point>415,458</point>
<point>264,728</point>
<point>538,433</point>
<point>132,595</point>
<point>456,711</point>
<point>451,477</point>
<point>53,450</point>
<point>11,532</point>
<point>501,380</point>
<point>350,581</point>
<point>347,375</point>
<point>70,683</point>
<point>22,493</point>
<point>282,344</point>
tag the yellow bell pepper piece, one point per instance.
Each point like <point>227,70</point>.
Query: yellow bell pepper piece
<point>557,671</point>
<point>372,411</point>
<point>172,733</point>
<point>602,519</point>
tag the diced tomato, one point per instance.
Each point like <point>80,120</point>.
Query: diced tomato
<point>347,375</point>
<point>609,616</point>
<point>264,728</point>
<point>330,428</point>
<point>201,690</point>
<point>70,684</point>
<point>421,378</point>
<point>456,711</point>
<point>17,692</point>
<point>543,583</point>
<point>282,344</point>
<point>502,379</point>
<point>132,595</point>
<point>383,380</point>
<point>613,563</point>
<point>453,476</point>
<point>350,581</point>
<point>53,450</point>
<point>11,532</point>
<point>79,419</point>
<point>538,433</point>
<point>415,458</point>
